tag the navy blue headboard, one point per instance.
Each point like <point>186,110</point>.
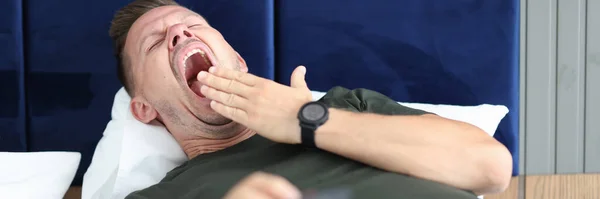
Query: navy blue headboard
<point>12,71</point>
<point>57,72</point>
<point>70,75</point>
<point>430,51</point>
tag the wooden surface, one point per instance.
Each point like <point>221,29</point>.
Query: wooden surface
<point>574,186</point>
<point>73,193</point>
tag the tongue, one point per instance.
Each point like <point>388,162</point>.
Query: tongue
<point>194,65</point>
<point>195,86</point>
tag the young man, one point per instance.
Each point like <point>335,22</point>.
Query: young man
<point>180,72</point>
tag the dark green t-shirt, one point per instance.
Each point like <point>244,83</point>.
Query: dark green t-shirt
<point>212,175</point>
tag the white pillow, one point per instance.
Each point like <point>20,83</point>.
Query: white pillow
<point>37,174</point>
<point>485,116</point>
<point>132,155</point>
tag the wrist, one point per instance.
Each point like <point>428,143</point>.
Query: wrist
<point>311,116</point>
<point>338,122</point>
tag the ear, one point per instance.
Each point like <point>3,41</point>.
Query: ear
<point>243,66</point>
<point>142,110</point>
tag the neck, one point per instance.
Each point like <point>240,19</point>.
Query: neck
<point>198,146</point>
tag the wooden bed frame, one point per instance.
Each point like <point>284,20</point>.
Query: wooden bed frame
<point>568,186</point>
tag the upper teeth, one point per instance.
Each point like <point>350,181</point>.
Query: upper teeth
<point>189,54</point>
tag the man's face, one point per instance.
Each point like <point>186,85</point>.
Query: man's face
<point>167,48</point>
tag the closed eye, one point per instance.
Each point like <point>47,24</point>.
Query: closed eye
<point>156,44</point>
<point>195,25</point>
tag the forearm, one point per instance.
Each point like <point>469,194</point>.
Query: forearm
<point>427,147</point>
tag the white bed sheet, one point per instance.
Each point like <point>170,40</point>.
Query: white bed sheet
<point>37,174</point>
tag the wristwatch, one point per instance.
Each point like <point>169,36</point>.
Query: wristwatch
<point>311,116</point>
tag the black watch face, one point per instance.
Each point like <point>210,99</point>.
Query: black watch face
<point>313,112</point>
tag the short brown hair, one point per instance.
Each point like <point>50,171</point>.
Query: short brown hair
<point>119,28</point>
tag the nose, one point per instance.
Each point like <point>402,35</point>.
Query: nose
<point>178,33</point>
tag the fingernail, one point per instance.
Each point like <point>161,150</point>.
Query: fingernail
<point>202,74</point>
<point>212,69</point>
<point>303,69</point>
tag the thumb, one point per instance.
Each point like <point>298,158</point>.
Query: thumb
<point>297,80</point>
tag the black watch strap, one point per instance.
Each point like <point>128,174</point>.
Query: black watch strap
<point>311,116</point>
<point>308,136</point>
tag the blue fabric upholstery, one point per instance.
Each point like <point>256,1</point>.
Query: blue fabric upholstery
<point>436,51</point>
<point>12,106</point>
<point>71,80</point>
<point>57,72</point>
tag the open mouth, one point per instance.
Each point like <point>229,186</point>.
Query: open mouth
<point>191,57</point>
<point>195,61</point>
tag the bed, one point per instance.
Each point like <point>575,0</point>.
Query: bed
<point>58,81</point>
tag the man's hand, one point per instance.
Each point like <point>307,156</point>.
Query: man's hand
<point>263,186</point>
<point>262,105</point>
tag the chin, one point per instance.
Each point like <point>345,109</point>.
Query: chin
<point>201,111</point>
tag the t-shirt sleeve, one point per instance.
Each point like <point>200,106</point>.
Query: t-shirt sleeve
<point>365,100</point>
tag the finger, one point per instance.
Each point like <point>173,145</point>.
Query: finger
<point>297,80</point>
<point>235,114</point>
<point>244,191</point>
<point>275,186</point>
<point>227,99</point>
<point>245,78</point>
<point>225,85</point>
